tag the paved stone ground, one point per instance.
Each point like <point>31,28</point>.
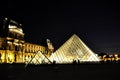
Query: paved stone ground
<point>102,71</point>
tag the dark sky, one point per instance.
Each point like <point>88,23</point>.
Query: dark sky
<point>95,22</point>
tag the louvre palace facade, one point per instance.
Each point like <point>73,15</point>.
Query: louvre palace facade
<point>13,47</point>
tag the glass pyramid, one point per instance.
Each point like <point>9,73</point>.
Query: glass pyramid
<point>73,50</point>
<point>39,58</point>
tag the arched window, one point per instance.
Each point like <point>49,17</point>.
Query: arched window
<point>28,56</point>
<point>16,48</point>
<point>0,56</point>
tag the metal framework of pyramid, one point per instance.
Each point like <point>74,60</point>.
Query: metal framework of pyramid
<point>73,50</point>
<point>39,58</point>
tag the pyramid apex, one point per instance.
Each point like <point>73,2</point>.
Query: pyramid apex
<point>74,35</point>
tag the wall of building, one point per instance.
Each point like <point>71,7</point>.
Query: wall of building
<point>31,49</point>
<point>13,47</point>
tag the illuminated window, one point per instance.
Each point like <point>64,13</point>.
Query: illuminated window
<point>12,26</point>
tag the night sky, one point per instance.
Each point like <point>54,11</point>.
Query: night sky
<point>95,22</point>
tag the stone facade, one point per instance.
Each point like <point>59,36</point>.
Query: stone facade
<point>13,47</point>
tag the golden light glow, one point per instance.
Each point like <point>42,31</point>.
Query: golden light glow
<point>116,55</point>
<point>17,50</point>
<point>16,47</point>
<point>38,58</point>
<point>73,49</point>
<point>10,56</point>
<point>6,18</point>
<point>16,30</point>
<point>12,26</point>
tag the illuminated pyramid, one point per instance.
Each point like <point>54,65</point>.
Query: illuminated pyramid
<point>39,58</point>
<point>73,49</point>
